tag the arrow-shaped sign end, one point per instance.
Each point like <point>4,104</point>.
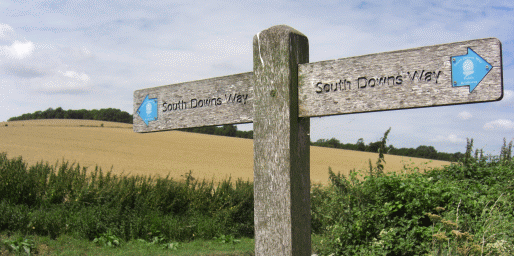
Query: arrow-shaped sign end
<point>148,110</point>
<point>469,70</point>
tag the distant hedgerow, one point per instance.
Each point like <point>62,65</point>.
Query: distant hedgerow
<point>104,114</point>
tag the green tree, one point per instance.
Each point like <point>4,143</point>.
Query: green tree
<point>59,113</point>
<point>426,152</point>
<point>374,146</point>
<point>360,144</point>
<point>333,143</point>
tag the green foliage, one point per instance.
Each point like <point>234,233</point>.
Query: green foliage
<point>393,214</point>
<point>381,147</point>
<point>493,235</point>
<point>229,130</point>
<point>68,199</point>
<point>226,239</point>
<point>506,151</point>
<point>160,239</point>
<point>73,245</point>
<point>107,240</point>
<point>105,114</point>
<point>20,245</point>
<point>171,246</point>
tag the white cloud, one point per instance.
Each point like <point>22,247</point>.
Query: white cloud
<point>5,29</point>
<point>452,138</point>
<point>18,50</point>
<point>75,75</point>
<point>507,100</point>
<point>464,115</point>
<point>508,95</point>
<point>62,82</point>
<point>63,86</point>
<point>499,124</point>
<point>225,46</point>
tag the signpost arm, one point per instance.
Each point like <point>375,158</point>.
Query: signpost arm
<point>281,145</point>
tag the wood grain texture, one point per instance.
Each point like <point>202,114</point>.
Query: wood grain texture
<point>214,101</point>
<point>281,145</point>
<point>413,78</point>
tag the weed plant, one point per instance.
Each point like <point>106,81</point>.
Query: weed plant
<point>20,245</point>
<point>67,199</point>
<point>462,209</point>
<point>107,240</point>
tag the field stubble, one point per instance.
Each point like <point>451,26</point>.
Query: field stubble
<point>115,145</point>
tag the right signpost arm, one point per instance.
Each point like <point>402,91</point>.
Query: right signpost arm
<point>438,75</point>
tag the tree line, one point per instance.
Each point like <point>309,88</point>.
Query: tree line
<point>104,114</point>
<point>428,152</point>
<point>116,115</point>
<point>230,130</point>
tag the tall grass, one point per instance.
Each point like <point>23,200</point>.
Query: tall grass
<point>68,199</point>
<point>463,209</point>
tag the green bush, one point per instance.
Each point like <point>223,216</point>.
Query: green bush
<point>108,240</point>
<point>394,214</point>
<point>67,199</point>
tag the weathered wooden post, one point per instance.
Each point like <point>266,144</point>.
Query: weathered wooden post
<point>281,145</point>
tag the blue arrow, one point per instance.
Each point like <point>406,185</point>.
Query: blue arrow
<point>148,110</point>
<point>469,70</point>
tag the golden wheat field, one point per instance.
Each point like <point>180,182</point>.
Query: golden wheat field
<point>114,146</point>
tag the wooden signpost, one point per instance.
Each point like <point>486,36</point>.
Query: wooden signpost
<point>420,77</point>
<point>284,91</point>
<point>215,101</point>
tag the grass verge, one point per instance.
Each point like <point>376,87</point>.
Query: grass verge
<point>70,245</point>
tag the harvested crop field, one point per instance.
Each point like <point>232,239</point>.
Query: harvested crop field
<point>114,145</point>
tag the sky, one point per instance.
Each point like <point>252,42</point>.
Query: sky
<point>95,54</point>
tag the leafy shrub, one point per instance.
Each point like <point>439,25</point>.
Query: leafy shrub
<point>66,198</point>
<point>13,217</point>
<point>159,239</point>
<point>229,239</point>
<point>20,245</point>
<point>393,214</point>
<point>108,240</point>
<point>171,246</point>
